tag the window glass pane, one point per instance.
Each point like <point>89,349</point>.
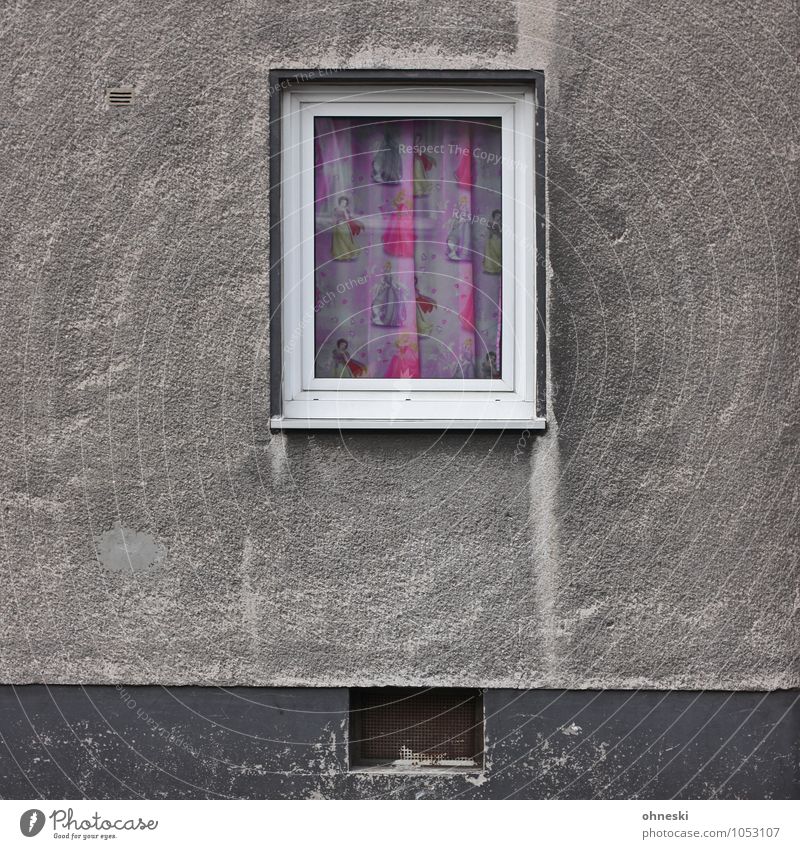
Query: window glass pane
<point>408,264</point>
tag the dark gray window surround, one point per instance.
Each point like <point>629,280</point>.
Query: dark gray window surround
<point>281,80</point>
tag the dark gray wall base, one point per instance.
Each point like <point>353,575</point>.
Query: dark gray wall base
<point>197,742</point>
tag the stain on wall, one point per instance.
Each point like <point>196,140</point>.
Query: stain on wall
<point>125,550</point>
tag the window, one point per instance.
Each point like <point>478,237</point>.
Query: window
<point>406,728</point>
<point>407,239</point>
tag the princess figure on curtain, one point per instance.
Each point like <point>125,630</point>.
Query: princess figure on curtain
<point>388,303</point>
<point>387,164</point>
<point>405,363</point>
<point>488,367</point>
<point>343,364</point>
<point>345,229</point>
<point>398,237</point>
<point>425,306</point>
<point>493,254</point>
<point>458,231</point>
<point>422,165</point>
<point>464,169</point>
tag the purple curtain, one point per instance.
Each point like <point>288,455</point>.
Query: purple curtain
<point>408,248</point>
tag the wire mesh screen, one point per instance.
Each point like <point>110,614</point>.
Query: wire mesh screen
<point>437,726</point>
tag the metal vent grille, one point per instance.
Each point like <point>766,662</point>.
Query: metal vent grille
<point>436,727</point>
<point>119,96</point>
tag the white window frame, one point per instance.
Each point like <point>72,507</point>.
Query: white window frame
<point>310,402</point>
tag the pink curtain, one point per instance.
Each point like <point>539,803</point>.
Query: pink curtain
<point>407,248</point>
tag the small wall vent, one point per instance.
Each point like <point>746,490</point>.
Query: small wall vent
<point>119,96</point>
<point>407,728</point>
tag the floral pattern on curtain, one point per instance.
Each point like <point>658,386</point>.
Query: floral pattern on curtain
<point>408,248</point>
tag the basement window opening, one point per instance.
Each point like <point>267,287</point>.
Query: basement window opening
<point>397,728</point>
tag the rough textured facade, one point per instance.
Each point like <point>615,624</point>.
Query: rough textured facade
<point>155,531</point>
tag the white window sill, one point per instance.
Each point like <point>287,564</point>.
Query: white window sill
<point>283,423</point>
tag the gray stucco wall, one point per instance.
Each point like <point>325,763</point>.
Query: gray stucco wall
<point>647,540</point>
